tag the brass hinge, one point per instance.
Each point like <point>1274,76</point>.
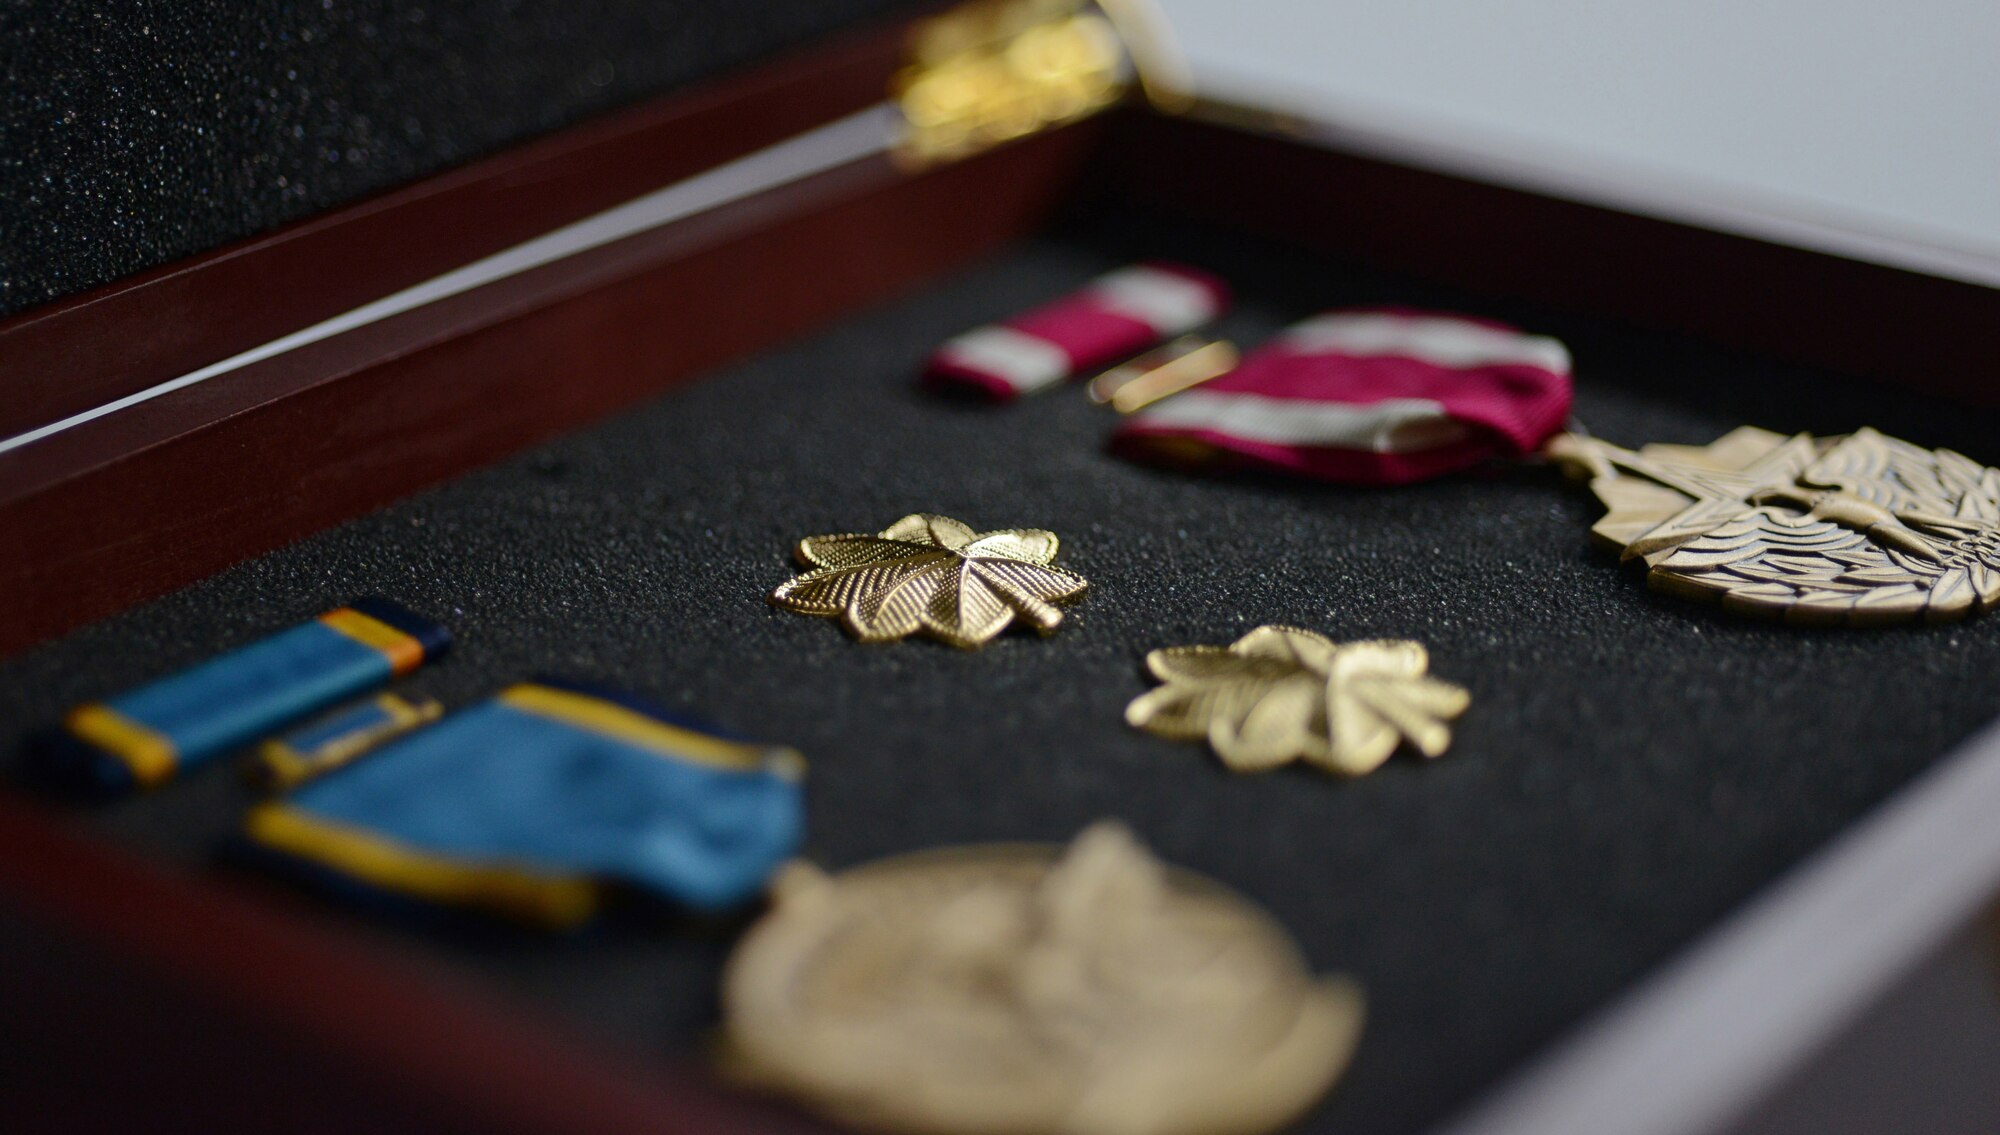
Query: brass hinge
<point>990,71</point>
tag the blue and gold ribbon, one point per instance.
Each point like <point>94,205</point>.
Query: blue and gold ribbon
<point>147,736</point>
<point>339,738</point>
<point>532,803</point>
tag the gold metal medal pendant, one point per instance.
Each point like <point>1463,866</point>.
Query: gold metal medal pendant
<point>1021,990</point>
<point>1861,529</point>
<point>932,575</point>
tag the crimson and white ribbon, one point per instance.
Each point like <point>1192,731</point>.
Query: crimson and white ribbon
<point>1380,396</point>
<point>1108,320</point>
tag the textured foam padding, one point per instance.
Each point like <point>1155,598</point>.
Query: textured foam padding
<point>140,134</point>
<point>1632,767</point>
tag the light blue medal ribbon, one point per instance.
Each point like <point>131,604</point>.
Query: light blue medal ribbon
<point>530,803</point>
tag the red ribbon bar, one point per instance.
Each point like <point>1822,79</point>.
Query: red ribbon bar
<point>1108,320</point>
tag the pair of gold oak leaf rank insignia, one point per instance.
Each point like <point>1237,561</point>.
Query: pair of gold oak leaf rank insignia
<point>1276,695</point>
<point>1859,529</point>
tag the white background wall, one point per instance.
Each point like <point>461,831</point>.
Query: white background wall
<point>1872,128</point>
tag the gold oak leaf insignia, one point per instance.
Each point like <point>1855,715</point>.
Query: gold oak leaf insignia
<point>934,575</point>
<point>1280,694</point>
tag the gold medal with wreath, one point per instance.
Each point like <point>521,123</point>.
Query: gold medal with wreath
<point>1860,529</point>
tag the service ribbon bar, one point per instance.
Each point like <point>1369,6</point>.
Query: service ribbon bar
<point>1376,396</point>
<point>339,738</point>
<point>148,736</point>
<point>1110,319</point>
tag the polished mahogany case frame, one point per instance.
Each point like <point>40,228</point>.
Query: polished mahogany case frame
<point>131,505</point>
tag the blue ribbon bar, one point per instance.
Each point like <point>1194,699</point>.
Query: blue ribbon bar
<point>340,737</point>
<point>147,736</point>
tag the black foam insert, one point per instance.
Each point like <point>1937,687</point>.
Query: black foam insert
<point>142,133</point>
<point>1632,768</point>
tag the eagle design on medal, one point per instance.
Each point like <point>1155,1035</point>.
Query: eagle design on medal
<point>1861,529</point>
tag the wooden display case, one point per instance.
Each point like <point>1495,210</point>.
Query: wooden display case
<point>172,424</point>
